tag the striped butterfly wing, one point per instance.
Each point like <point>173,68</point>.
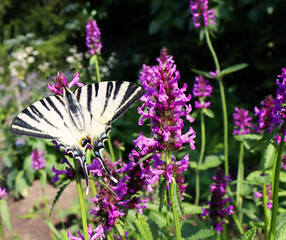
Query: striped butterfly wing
<point>48,118</point>
<point>106,101</point>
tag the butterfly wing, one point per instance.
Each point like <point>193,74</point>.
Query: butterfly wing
<point>48,118</point>
<point>106,101</point>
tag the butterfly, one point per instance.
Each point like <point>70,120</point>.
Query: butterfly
<point>78,119</point>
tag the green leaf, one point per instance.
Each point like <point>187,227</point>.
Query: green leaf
<point>177,200</point>
<point>208,113</point>
<point>161,193</point>
<point>233,68</point>
<point>143,228</point>
<point>4,211</point>
<point>120,229</point>
<point>204,73</point>
<point>202,234</point>
<point>247,137</point>
<point>193,164</point>
<point>260,180</point>
<point>146,156</point>
<point>192,209</point>
<point>92,60</point>
<point>281,227</point>
<point>59,193</point>
<point>269,156</point>
<point>212,161</point>
<point>266,138</point>
<point>103,184</point>
<point>250,234</point>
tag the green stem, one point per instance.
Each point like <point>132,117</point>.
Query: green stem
<point>81,200</point>
<point>240,177</point>
<point>171,190</point>
<point>265,197</point>
<point>111,149</point>
<point>88,159</point>
<point>1,229</point>
<point>97,69</point>
<point>275,187</point>
<point>202,153</point>
<point>47,210</point>
<point>223,100</point>
<point>167,219</point>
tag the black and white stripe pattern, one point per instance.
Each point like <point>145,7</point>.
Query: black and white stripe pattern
<point>88,112</point>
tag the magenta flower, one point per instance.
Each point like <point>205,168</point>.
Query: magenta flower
<point>242,122</point>
<point>218,206</point>
<point>38,160</point>
<point>57,87</point>
<point>97,233</point>
<point>202,16</point>
<point>265,115</point>
<point>202,89</point>
<point>92,39</point>
<point>2,192</point>
<point>268,193</point>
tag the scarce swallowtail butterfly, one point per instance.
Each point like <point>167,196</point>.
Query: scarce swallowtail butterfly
<point>76,120</point>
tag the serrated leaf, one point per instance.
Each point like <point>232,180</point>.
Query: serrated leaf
<point>192,209</point>
<point>59,193</point>
<point>281,227</point>
<point>103,184</point>
<point>260,180</point>
<point>143,228</point>
<point>249,235</point>
<point>233,68</point>
<point>120,229</point>
<point>161,193</point>
<point>202,234</point>
<point>212,161</point>
<point>247,137</point>
<point>208,112</point>
<point>177,200</point>
<point>4,211</point>
<point>266,138</point>
<point>204,73</point>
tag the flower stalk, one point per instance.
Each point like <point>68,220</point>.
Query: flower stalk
<point>223,100</point>
<point>172,188</point>
<point>81,200</point>
<point>202,153</point>
<point>275,187</point>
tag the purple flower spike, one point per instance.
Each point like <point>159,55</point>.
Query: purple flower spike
<point>242,122</point>
<point>38,160</point>
<point>202,16</point>
<point>218,209</point>
<point>92,40</point>
<point>57,87</point>
<point>202,89</point>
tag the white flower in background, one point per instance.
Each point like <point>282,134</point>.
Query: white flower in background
<point>43,66</point>
<point>75,59</point>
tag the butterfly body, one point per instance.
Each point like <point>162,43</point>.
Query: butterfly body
<point>77,120</point>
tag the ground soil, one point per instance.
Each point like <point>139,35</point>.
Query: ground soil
<point>36,228</point>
